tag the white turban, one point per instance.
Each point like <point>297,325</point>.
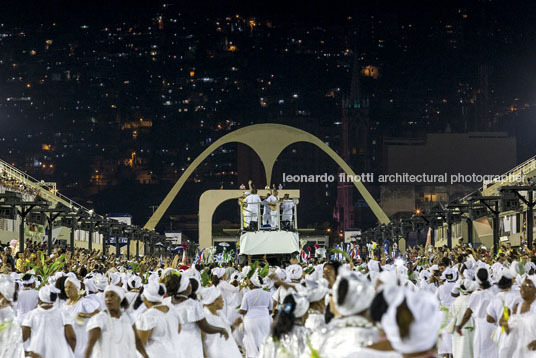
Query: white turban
<point>75,281</point>
<point>530,266</point>
<point>7,288</point>
<point>101,282</point>
<point>374,266</point>
<point>152,291</point>
<point>359,296</point>
<point>29,281</point>
<point>114,278</point>
<point>450,274</point>
<point>134,281</point>
<point>185,281</point>
<point>119,291</point>
<point>209,295</point>
<point>90,285</point>
<point>315,291</point>
<point>281,274</point>
<point>469,286</point>
<point>219,272</point>
<point>423,331</point>
<point>236,276</point>
<point>302,305</point>
<point>46,291</point>
<point>294,272</point>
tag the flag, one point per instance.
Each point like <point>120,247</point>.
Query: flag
<point>199,256</point>
<point>303,256</point>
<point>184,258</point>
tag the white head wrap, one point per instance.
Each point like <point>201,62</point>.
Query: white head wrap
<point>101,282</point>
<point>424,329</point>
<point>45,291</point>
<point>29,281</point>
<point>281,274</point>
<point>150,292</point>
<point>185,281</point>
<point>294,272</point>
<point>236,276</point>
<point>359,296</point>
<point>134,281</point>
<point>469,286</point>
<point>450,275</point>
<point>7,288</point>
<point>117,290</point>
<point>315,291</point>
<point>256,280</point>
<point>374,266</point>
<point>114,278</point>
<point>530,266</point>
<point>90,285</point>
<point>75,281</point>
<point>302,305</point>
<point>209,295</point>
<point>219,272</point>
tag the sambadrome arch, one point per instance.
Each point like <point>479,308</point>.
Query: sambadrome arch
<point>268,141</point>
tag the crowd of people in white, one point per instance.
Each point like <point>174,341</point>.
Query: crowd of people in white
<point>428,306</point>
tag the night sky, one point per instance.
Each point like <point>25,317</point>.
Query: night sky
<point>459,65</point>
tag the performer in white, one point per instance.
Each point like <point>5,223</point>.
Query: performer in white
<point>256,306</point>
<point>216,345</point>
<point>10,333</point>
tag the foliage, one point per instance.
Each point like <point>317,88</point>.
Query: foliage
<point>44,270</point>
<point>343,253</point>
<point>205,278</point>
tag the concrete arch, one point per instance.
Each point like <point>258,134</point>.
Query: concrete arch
<point>268,141</point>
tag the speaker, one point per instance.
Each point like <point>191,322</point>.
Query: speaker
<point>478,212</point>
<point>509,201</point>
<point>7,212</point>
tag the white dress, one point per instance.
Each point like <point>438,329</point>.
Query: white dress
<point>117,336</point>
<point>505,299</point>
<point>291,345</point>
<point>189,340</point>
<point>445,298</point>
<point>215,344</point>
<point>165,326</point>
<point>483,345</point>
<point>48,333</point>
<point>83,305</point>
<point>462,346</point>
<point>231,298</point>
<point>10,335</point>
<point>522,332</point>
<point>26,302</point>
<point>258,304</point>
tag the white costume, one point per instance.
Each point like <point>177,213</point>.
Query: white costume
<point>83,305</point>
<point>189,312</point>
<point>258,304</point>
<point>462,346</point>
<point>117,336</point>
<point>26,302</point>
<point>165,328</point>
<point>215,344</point>
<point>10,335</point>
<point>482,344</point>
<point>252,208</point>
<point>47,332</point>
